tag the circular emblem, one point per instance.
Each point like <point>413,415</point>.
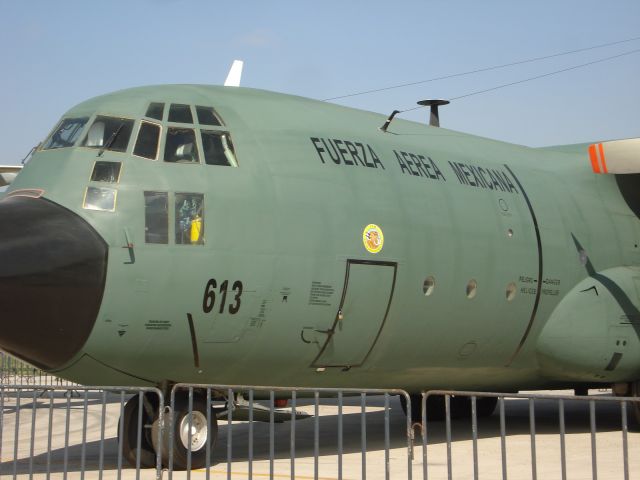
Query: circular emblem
<point>372,238</point>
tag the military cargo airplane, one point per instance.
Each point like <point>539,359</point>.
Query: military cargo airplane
<point>224,235</point>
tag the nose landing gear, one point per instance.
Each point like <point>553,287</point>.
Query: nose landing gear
<point>183,431</point>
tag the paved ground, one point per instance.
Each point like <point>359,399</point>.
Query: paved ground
<point>36,456</point>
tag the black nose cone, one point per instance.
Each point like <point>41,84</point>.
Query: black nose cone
<point>52,273</point>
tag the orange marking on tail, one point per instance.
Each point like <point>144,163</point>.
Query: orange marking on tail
<point>602,160</point>
<point>594,159</point>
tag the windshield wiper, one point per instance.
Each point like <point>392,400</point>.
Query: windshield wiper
<point>112,139</point>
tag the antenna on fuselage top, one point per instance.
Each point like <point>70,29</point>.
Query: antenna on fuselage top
<point>434,116</point>
<point>235,74</point>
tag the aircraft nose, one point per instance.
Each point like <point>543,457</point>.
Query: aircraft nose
<point>52,275</point>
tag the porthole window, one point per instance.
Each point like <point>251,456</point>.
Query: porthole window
<point>428,286</point>
<point>472,289</point>
<point>511,291</point>
<point>180,113</point>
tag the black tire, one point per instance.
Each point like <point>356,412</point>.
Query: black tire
<point>180,423</point>
<point>460,407</point>
<point>485,406</point>
<point>130,437</point>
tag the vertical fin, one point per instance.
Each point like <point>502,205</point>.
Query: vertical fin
<point>235,74</point>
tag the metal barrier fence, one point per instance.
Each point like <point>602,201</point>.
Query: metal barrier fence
<point>17,372</point>
<point>218,431</point>
<point>548,436</point>
<point>67,432</point>
<point>341,429</point>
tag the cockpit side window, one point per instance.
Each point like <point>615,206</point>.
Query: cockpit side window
<point>180,113</point>
<point>181,146</point>
<point>218,149</point>
<point>66,133</point>
<point>208,116</point>
<point>109,133</point>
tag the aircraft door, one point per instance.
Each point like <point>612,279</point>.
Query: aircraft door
<point>366,298</point>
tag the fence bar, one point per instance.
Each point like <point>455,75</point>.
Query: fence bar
<point>121,437</point>
<point>423,411</point>
<point>474,430</point>
<point>1,413</point>
<point>532,429</point>
<point>316,435</point>
<point>503,438</point>
<point>189,433</point>
<point>387,465</point>
<point>447,409</point>
<point>293,435</point>
<point>209,433</point>
<point>339,434</point>
<point>272,406</point>
<point>592,421</point>
<point>33,433</point>
<point>625,444</point>
<point>230,400</point>
<point>563,451</point>
<point>103,420</point>
<point>16,435</point>
<point>363,434</point>
<point>50,433</point>
<point>85,411</point>
<point>251,433</point>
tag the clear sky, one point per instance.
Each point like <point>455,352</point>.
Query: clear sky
<point>55,54</point>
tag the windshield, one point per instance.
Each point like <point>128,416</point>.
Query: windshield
<point>109,133</point>
<point>66,134</point>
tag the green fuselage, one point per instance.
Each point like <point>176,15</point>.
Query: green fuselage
<point>276,287</point>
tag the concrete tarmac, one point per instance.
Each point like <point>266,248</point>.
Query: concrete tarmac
<point>67,443</point>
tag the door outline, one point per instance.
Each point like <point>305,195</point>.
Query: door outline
<point>331,331</point>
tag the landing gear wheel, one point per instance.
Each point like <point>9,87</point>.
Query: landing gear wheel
<point>460,407</point>
<point>130,434</point>
<point>202,437</point>
<point>485,406</point>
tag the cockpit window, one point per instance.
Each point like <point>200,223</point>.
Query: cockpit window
<point>180,113</point>
<point>208,116</point>
<point>109,133</point>
<point>218,149</point>
<point>66,134</point>
<point>148,140</point>
<point>155,110</point>
<point>181,146</point>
